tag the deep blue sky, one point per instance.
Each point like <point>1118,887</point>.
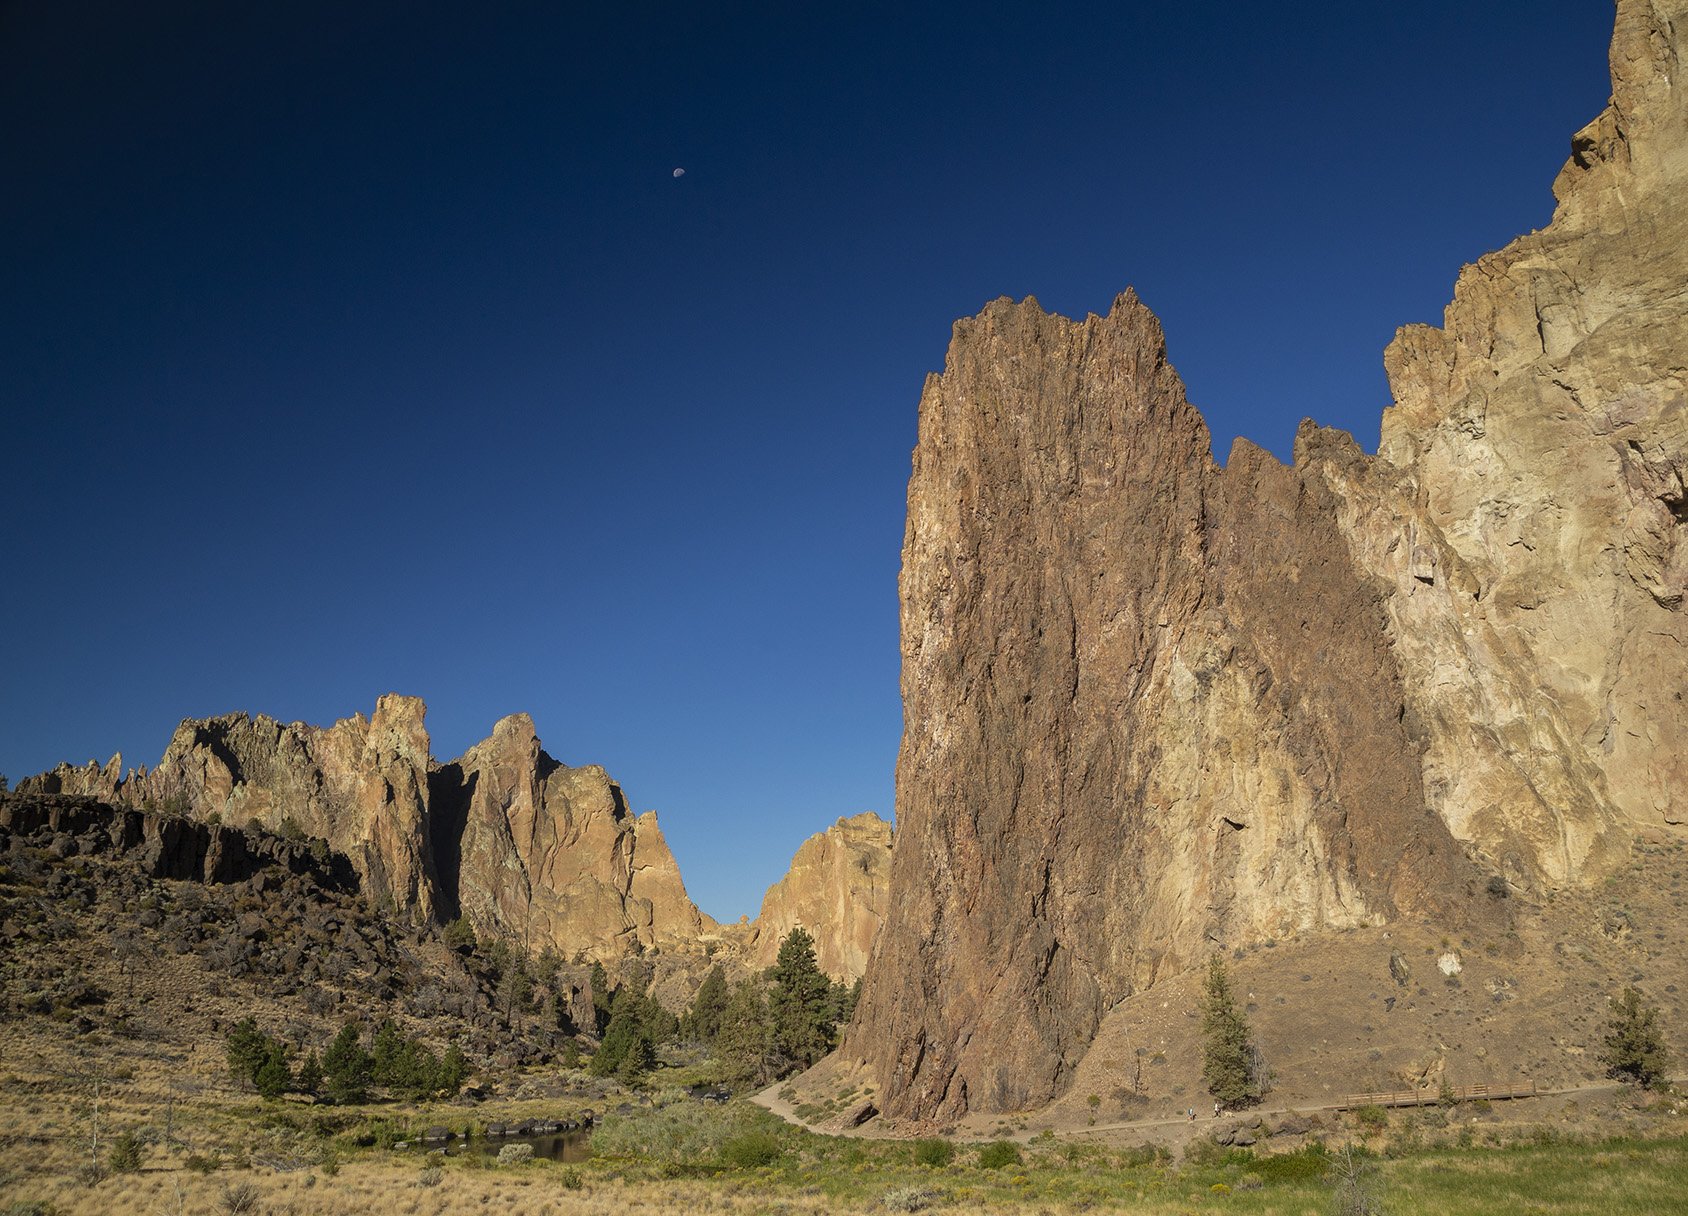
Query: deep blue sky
<point>356,347</point>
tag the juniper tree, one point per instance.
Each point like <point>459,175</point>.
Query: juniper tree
<point>514,986</point>
<point>454,1069</point>
<point>741,1045</point>
<point>624,1035</point>
<point>309,1080</point>
<point>459,935</point>
<point>1228,1057</point>
<point>709,1006</point>
<point>801,1008</point>
<point>347,1067</point>
<point>247,1048</point>
<point>274,1077</point>
<point>600,998</point>
<point>1634,1048</point>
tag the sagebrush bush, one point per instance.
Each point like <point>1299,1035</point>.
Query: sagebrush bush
<point>1308,1165</point>
<point>998,1153</point>
<point>934,1152</point>
<point>750,1150</point>
<point>685,1136</point>
<point>239,1198</point>
<point>908,1199</point>
<point>1373,1117</point>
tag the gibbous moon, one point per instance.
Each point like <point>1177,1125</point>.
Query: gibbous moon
<point>679,173</point>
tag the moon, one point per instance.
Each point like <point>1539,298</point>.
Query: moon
<point>679,173</point>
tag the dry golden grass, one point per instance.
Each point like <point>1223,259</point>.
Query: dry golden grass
<point>388,1188</point>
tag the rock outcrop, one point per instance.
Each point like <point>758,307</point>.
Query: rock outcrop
<point>1156,708</point>
<point>520,846</point>
<point>360,784</point>
<point>1541,439</point>
<point>837,889</point>
<point>167,846</point>
<point>505,836</point>
<point>551,855</point>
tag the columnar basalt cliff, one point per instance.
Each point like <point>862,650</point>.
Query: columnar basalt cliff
<point>837,889</point>
<point>1156,708</point>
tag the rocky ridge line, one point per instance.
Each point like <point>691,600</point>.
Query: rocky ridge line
<point>520,846</point>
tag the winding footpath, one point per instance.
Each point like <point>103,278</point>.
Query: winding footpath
<point>771,1100</point>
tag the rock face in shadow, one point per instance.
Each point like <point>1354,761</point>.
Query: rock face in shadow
<point>837,889</point>
<point>1154,708</point>
<point>169,846</point>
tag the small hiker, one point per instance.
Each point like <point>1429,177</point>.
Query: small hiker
<point>1192,1114</point>
<point>1216,1111</point>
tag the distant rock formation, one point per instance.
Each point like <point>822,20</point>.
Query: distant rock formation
<point>504,836</point>
<point>519,845</point>
<point>551,855</point>
<point>1156,708</point>
<point>837,889</point>
<point>361,785</point>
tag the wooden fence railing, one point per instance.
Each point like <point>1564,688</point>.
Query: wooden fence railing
<point>1433,1097</point>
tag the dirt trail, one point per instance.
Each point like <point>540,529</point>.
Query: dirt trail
<point>770,1099</point>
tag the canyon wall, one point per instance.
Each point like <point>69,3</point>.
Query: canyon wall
<point>1155,708</point>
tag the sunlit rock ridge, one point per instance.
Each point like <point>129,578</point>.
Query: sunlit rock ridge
<point>519,845</point>
<point>1155,708</point>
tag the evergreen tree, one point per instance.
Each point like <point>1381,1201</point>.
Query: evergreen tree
<point>454,1070</point>
<point>386,1053</point>
<point>638,1059</point>
<point>600,998</point>
<point>659,1025</point>
<point>460,936</point>
<point>841,1000</point>
<point>1228,1066</point>
<point>309,1080</point>
<point>623,1028</point>
<point>514,987</point>
<point>742,1044</point>
<point>545,968</point>
<point>801,1010</point>
<point>407,1068</point>
<point>247,1048</point>
<point>1634,1048</point>
<point>274,1077</point>
<point>347,1067</point>
<point>709,1006</point>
